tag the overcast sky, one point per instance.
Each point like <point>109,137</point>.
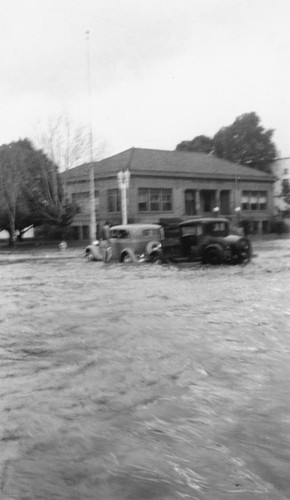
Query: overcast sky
<point>162,71</point>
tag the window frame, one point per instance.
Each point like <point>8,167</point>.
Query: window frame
<point>155,199</point>
<point>113,200</point>
<point>82,200</point>
<point>190,202</point>
<point>253,201</point>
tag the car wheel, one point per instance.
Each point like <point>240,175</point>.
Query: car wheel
<point>126,258</point>
<point>156,258</point>
<point>245,252</point>
<point>151,246</point>
<point>214,257</point>
<point>89,256</point>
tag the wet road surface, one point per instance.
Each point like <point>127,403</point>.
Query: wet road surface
<point>145,382</point>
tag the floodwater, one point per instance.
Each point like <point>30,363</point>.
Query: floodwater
<point>145,382</point>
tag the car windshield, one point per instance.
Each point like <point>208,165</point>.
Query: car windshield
<point>119,234</point>
<point>194,230</point>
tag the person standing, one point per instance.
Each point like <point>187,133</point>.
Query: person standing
<point>105,234</point>
<point>105,242</point>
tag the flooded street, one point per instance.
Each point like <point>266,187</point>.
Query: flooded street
<point>145,382</point>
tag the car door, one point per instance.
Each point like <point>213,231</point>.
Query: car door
<point>190,240</point>
<point>119,239</point>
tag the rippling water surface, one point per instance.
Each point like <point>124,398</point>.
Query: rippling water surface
<point>136,383</point>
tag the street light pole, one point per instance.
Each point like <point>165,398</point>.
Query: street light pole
<point>238,212</point>
<point>123,183</point>
<point>91,171</point>
<point>216,211</point>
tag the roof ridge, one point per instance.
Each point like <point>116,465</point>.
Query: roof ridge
<point>116,154</point>
<point>158,160</point>
<point>170,151</point>
<point>95,162</point>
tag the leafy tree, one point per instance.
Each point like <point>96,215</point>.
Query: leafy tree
<point>245,141</point>
<point>31,190</point>
<point>286,190</point>
<point>12,160</point>
<point>200,143</point>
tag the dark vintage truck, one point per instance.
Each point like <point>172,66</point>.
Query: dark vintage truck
<point>208,240</point>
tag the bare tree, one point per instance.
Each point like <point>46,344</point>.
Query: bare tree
<point>67,144</point>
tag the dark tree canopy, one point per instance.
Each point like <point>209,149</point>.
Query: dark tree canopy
<point>245,141</point>
<point>13,203</point>
<point>286,190</point>
<point>31,191</point>
<point>200,144</point>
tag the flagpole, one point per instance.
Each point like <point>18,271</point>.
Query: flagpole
<point>91,171</point>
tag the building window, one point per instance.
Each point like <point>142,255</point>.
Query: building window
<point>285,171</point>
<point>254,200</point>
<point>82,201</point>
<point>86,232</point>
<point>207,200</point>
<point>143,200</point>
<point>225,205</point>
<point>76,232</point>
<point>114,202</point>
<point>166,200</point>
<point>263,200</point>
<point>154,200</point>
<point>189,200</point>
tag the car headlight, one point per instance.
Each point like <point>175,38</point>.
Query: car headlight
<point>243,244</point>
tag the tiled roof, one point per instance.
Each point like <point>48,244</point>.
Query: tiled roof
<point>154,162</point>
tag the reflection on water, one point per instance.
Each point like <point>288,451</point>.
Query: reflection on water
<point>125,383</point>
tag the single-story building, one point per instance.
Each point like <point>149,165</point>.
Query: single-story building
<point>170,184</point>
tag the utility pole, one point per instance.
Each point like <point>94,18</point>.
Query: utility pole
<point>91,172</point>
<point>237,199</point>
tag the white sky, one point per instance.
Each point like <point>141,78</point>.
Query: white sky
<point>162,71</point>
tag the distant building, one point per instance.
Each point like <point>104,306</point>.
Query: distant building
<point>171,184</point>
<point>281,171</point>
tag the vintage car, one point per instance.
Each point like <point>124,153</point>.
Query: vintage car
<point>208,240</point>
<point>127,243</point>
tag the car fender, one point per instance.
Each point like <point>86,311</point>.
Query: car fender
<point>130,252</point>
<point>213,246</point>
<point>95,251</point>
<point>151,246</point>
<point>209,246</point>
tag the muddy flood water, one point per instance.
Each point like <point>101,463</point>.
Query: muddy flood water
<point>145,382</point>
